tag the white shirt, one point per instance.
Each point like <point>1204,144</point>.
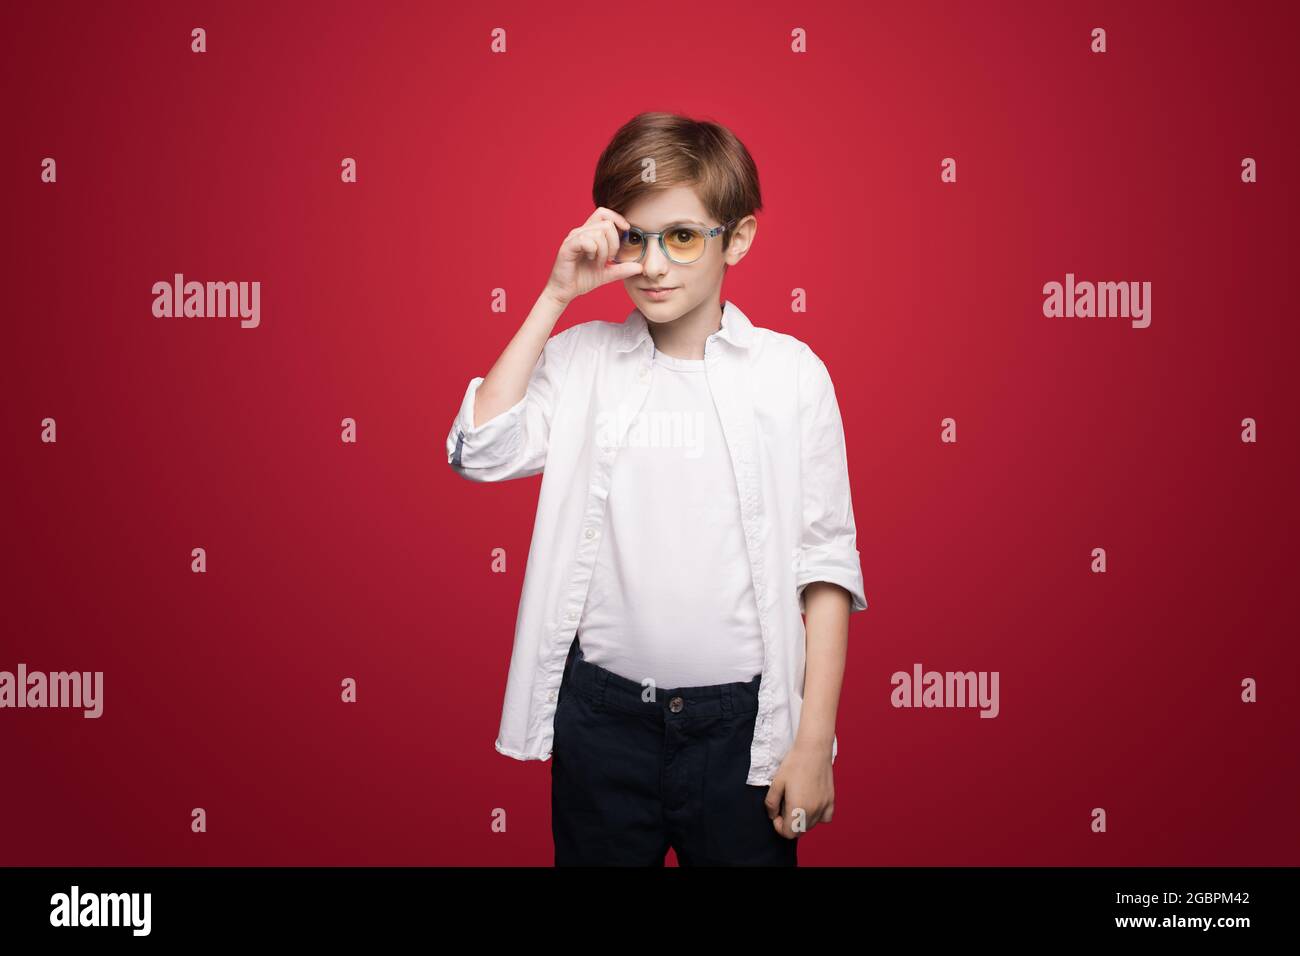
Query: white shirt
<point>671,598</point>
<point>786,442</point>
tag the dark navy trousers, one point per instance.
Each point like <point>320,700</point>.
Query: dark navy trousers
<point>632,777</point>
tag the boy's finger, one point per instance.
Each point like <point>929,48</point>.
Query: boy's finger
<point>773,800</point>
<point>609,214</point>
<point>612,231</point>
<point>597,235</point>
<point>623,270</point>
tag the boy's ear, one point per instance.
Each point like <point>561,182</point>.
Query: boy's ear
<point>742,237</point>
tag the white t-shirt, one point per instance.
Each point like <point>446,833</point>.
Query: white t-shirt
<point>672,596</point>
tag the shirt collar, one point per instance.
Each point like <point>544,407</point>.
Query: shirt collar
<point>736,328</point>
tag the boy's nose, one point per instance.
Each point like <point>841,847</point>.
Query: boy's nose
<point>655,262</point>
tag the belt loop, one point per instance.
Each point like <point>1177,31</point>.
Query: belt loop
<point>602,681</point>
<point>727,708</point>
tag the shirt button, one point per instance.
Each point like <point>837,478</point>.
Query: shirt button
<point>591,533</point>
<point>676,705</point>
<point>645,374</point>
<point>550,695</point>
<point>573,615</point>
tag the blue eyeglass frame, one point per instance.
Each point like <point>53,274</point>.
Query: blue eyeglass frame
<point>708,234</point>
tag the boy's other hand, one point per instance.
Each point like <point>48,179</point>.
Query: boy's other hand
<point>585,259</point>
<point>802,793</point>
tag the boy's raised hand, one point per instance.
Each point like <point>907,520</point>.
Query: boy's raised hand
<point>584,260</point>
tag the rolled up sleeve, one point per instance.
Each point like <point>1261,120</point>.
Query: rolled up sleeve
<point>513,443</point>
<point>828,548</point>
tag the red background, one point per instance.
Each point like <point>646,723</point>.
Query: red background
<point>372,560</point>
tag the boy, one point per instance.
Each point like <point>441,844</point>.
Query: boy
<point>694,503</point>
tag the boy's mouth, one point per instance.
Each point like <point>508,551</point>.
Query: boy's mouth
<point>658,292</point>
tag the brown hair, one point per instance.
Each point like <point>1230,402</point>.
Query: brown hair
<point>686,152</point>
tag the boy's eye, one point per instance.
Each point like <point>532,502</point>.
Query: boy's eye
<point>682,235</point>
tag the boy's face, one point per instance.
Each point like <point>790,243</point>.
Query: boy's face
<point>692,284</point>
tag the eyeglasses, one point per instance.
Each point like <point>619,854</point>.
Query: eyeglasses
<point>681,243</point>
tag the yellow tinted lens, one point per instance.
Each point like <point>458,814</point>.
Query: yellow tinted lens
<point>629,250</point>
<point>684,243</point>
